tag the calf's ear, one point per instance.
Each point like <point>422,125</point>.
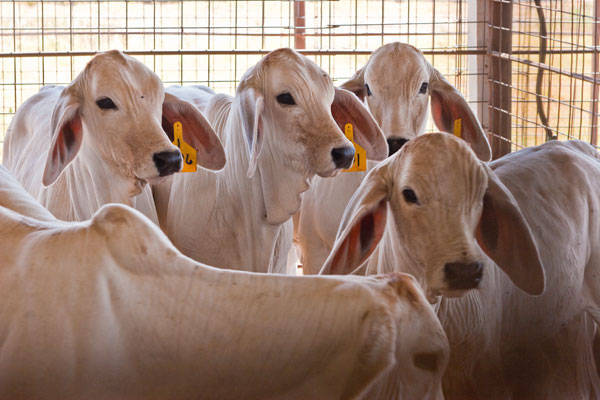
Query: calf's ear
<point>197,131</point>
<point>347,108</point>
<point>356,84</point>
<point>67,134</point>
<point>504,235</point>
<point>447,106</point>
<point>362,225</point>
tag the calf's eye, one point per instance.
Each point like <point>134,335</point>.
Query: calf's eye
<point>369,93</point>
<point>423,88</point>
<point>285,98</point>
<point>410,196</point>
<point>106,103</point>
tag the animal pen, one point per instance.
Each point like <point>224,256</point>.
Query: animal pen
<point>529,68</point>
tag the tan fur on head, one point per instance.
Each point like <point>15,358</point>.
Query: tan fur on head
<point>303,134</point>
<point>437,223</point>
<point>125,137</point>
<point>400,81</point>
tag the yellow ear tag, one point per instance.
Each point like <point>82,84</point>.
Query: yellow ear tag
<point>457,127</point>
<point>360,154</point>
<point>187,152</point>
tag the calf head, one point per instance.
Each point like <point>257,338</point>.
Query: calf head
<point>290,107</point>
<point>396,82</point>
<point>447,211</point>
<point>114,111</point>
<point>422,349</point>
<point>291,115</point>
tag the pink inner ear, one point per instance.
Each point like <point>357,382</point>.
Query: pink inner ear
<point>447,108</point>
<point>441,113</point>
<point>361,241</point>
<point>346,108</point>
<point>65,147</point>
<point>197,132</point>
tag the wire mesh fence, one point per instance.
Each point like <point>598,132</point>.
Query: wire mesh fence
<point>214,42</point>
<point>553,58</point>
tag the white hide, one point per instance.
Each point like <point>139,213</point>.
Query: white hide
<point>240,218</point>
<point>109,309</point>
<point>538,206</point>
<point>395,74</point>
<point>74,156</point>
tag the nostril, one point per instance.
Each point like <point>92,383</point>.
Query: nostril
<point>167,162</point>
<point>463,275</point>
<point>427,361</point>
<point>395,144</point>
<point>342,156</point>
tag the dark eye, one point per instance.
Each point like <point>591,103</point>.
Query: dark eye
<point>410,196</point>
<point>423,88</point>
<point>106,103</point>
<point>286,98</point>
<point>368,90</point>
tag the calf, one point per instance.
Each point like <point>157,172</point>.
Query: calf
<point>108,308</point>
<point>396,85</point>
<point>281,128</point>
<point>457,224</point>
<point>103,138</point>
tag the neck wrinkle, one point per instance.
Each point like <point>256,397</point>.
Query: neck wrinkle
<point>84,187</point>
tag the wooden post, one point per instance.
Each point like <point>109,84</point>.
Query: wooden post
<point>500,17</point>
<point>299,24</point>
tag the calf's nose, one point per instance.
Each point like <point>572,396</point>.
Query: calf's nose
<point>342,156</point>
<point>463,276</point>
<point>167,162</point>
<point>395,144</point>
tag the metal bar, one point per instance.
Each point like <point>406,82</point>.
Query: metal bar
<point>476,37</point>
<point>299,25</point>
<point>500,70</point>
<point>506,56</point>
<point>449,51</point>
<point>311,52</point>
<point>595,68</point>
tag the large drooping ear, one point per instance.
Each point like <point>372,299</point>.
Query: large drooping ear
<point>356,84</point>
<point>362,225</point>
<point>504,235</point>
<point>447,106</point>
<point>346,108</point>
<point>252,104</point>
<point>197,131</point>
<point>67,133</point>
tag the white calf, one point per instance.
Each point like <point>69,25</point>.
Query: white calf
<point>103,137</point>
<point>108,308</point>
<point>396,84</point>
<point>456,223</point>
<point>281,128</point>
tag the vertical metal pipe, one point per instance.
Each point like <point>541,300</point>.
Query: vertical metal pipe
<point>43,47</point>
<point>478,64</point>
<point>299,25</point>
<point>595,66</point>
<point>501,77</point>
<point>181,31</point>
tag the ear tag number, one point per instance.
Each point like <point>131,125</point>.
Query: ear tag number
<point>360,154</point>
<point>187,152</point>
<point>457,127</point>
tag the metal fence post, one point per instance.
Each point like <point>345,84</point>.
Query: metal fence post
<point>500,24</point>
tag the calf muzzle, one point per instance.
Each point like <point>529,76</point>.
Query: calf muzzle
<point>462,276</point>
<point>342,156</point>
<point>167,162</point>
